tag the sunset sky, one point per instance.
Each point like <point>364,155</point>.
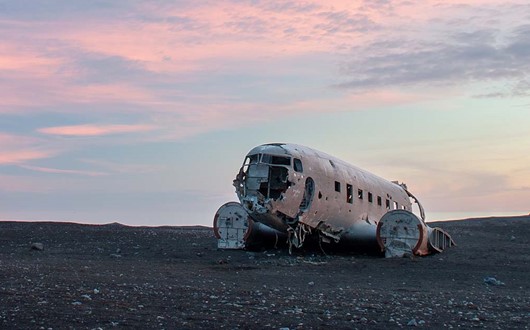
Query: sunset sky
<point>141,112</point>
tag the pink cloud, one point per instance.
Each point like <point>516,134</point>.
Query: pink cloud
<point>56,90</point>
<point>41,75</point>
<point>95,130</point>
<point>236,30</point>
<point>14,58</point>
<point>217,37</point>
<point>15,140</point>
<point>126,168</point>
<point>110,93</point>
<point>216,31</point>
<point>17,149</point>
<point>15,157</point>
<point>62,171</point>
<point>222,30</point>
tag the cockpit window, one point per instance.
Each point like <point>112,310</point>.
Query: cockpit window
<point>266,158</point>
<point>252,159</point>
<point>298,165</point>
<point>280,160</point>
<point>276,160</point>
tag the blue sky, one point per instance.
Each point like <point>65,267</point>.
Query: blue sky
<point>142,112</point>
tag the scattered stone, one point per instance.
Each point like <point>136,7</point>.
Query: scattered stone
<point>412,323</point>
<point>472,306</point>
<point>37,246</point>
<point>492,281</point>
<point>134,291</point>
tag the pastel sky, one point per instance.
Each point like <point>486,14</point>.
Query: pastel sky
<point>141,112</point>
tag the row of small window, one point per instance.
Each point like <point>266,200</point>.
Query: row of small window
<point>360,195</point>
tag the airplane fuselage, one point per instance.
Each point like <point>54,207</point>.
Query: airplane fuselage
<point>285,186</point>
<point>289,192</point>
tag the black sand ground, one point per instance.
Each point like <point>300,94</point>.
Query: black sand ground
<point>113,276</point>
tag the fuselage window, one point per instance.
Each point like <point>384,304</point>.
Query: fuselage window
<point>396,206</point>
<point>337,186</point>
<point>298,165</point>
<point>388,204</point>
<point>379,201</point>
<point>360,193</point>
<point>370,197</point>
<point>349,193</point>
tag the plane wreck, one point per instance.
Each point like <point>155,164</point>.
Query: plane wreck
<point>288,193</point>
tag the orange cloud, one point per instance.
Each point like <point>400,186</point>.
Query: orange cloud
<point>95,130</point>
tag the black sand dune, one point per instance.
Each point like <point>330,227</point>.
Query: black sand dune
<point>114,276</point>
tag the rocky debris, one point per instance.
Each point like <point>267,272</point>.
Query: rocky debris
<point>37,246</point>
<point>492,281</point>
<point>161,282</point>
